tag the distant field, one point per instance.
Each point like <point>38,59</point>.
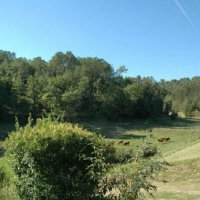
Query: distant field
<point>182,152</point>
<point>182,133</point>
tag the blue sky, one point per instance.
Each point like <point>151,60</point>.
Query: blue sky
<point>159,38</point>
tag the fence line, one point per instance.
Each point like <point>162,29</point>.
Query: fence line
<point>169,127</point>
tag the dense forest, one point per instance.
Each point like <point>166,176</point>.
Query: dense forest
<point>74,88</point>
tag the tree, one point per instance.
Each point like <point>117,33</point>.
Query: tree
<point>5,94</point>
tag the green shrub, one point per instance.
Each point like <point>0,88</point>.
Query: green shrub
<point>7,189</point>
<point>149,150</point>
<point>2,177</point>
<point>122,156</point>
<point>132,180</point>
<point>52,160</point>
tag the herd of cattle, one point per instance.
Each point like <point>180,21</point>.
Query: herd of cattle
<point>164,139</point>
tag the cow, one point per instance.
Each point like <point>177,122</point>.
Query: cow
<point>126,143</point>
<point>167,139</point>
<point>161,139</point>
<point>120,142</point>
<point>164,139</point>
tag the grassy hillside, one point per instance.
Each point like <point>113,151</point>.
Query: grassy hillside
<point>182,176</point>
<point>191,152</point>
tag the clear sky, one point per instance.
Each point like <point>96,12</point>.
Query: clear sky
<point>159,38</point>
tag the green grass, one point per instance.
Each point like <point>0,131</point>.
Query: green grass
<point>183,180</point>
<point>187,153</point>
<point>175,196</point>
<point>136,133</point>
<point>7,191</point>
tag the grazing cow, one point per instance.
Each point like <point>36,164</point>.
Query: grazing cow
<point>167,139</point>
<point>164,139</point>
<point>120,142</point>
<point>126,143</point>
<point>161,139</point>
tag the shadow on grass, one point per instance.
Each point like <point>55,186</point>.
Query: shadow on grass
<point>117,129</point>
<point>1,152</point>
<point>187,122</point>
<point>130,136</point>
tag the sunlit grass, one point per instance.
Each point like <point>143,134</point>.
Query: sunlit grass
<point>182,180</point>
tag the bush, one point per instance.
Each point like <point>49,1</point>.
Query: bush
<point>2,177</point>
<point>132,180</point>
<point>7,189</point>
<point>52,160</point>
<point>149,150</point>
<point>121,156</point>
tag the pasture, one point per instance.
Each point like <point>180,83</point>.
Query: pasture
<point>182,133</point>
<point>181,175</point>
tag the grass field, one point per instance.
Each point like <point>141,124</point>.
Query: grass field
<point>182,175</point>
<point>182,133</point>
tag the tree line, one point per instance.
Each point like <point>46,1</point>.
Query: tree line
<point>183,95</point>
<point>74,88</point>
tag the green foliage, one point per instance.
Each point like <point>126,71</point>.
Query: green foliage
<point>2,177</point>
<point>184,95</point>
<point>7,188</point>
<point>146,98</point>
<point>148,150</point>
<point>56,161</point>
<point>74,88</point>
<point>188,108</point>
<point>121,156</point>
<point>131,180</point>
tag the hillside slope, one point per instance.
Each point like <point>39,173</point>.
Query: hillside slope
<point>182,176</point>
<point>191,152</point>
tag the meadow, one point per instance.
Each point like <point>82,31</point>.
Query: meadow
<point>180,178</point>
<point>181,175</point>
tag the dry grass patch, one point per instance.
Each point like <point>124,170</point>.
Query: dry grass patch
<point>190,152</point>
<point>182,180</point>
